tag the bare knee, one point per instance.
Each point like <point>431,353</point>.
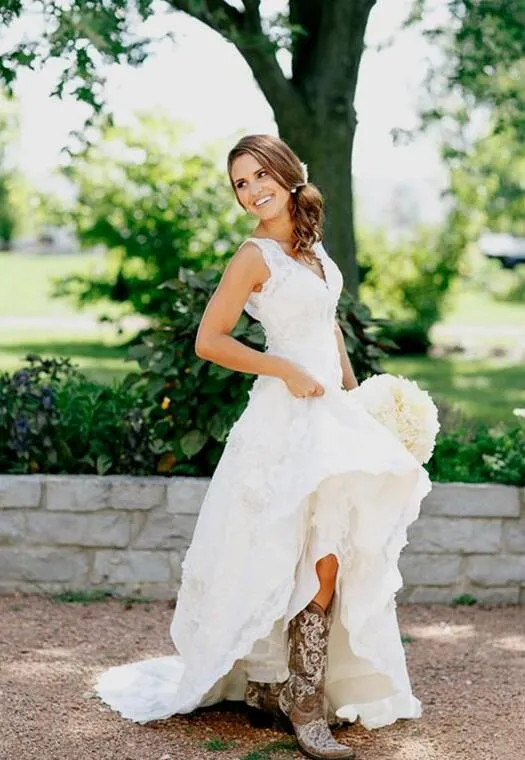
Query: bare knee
<point>326,569</point>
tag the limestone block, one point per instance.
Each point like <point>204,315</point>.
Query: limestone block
<point>12,527</point>
<point>497,595</point>
<point>76,493</point>
<point>497,570</point>
<point>137,493</point>
<point>454,534</point>
<point>43,564</point>
<point>472,500</point>
<point>514,536</point>
<point>103,529</point>
<point>429,569</point>
<point>131,567</point>
<point>165,531</point>
<point>20,491</point>
<point>185,495</point>
<point>432,595</point>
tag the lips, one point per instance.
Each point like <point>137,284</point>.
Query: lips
<point>263,201</point>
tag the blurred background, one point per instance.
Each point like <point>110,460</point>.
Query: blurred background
<point>115,121</point>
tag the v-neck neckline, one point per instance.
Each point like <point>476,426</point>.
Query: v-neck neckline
<point>322,280</point>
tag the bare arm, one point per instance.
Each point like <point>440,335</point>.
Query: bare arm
<point>244,272</point>
<point>349,379</point>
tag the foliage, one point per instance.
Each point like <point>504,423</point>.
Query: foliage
<point>480,454</point>
<point>483,45</point>
<point>475,95</point>
<point>194,403</point>
<point>54,420</point>
<point>406,282</point>
<point>154,207</point>
<point>8,131</point>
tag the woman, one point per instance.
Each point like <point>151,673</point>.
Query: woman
<point>288,591</point>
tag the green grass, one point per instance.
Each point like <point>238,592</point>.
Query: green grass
<point>273,747</point>
<point>81,597</point>
<point>482,389</point>
<point>26,284</point>
<point>218,745</point>
<point>99,354</point>
<point>469,308</point>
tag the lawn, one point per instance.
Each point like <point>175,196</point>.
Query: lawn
<point>486,389</point>
<point>26,283</point>
<point>479,309</point>
<point>100,355</point>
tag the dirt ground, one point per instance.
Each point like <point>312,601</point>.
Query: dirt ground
<point>467,666</point>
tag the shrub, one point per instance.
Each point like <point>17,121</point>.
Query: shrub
<point>406,282</point>
<point>52,419</point>
<point>480,454</point>
<point>154,206</point>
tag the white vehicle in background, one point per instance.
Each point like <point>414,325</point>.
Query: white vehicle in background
<point>506,248</point>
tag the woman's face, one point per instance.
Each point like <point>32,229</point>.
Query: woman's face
<point>258,192</point>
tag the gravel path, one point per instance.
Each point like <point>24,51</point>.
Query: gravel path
<point>467,666</point>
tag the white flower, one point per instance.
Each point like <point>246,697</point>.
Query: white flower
<point>405,409</point>
<point>304,167</point>
<point>518,412</point>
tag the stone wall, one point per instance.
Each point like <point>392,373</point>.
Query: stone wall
<point>128,535</point>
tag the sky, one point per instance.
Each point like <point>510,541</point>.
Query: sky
<point>202,80</point>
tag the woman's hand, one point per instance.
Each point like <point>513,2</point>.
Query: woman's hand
<point>300,383</point>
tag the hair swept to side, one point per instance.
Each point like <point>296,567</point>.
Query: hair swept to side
<point>285,167</point>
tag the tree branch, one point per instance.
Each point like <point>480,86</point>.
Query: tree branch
<point>244,30</point>
<point>217,14</point>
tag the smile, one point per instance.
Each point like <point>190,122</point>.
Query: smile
<point>263,201</point>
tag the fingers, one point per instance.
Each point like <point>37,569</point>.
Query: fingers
<point>317,390</point>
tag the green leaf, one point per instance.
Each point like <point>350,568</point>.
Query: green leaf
<point>192,442</point>
<point>104,463</point>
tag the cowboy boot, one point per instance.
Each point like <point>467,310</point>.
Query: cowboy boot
<point>264,711</point>
<point>302,697</point>
<point>262,700</point>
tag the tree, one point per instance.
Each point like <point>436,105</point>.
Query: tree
<point>313,109</point>
<point>8,129</point>
<point>477,94</point>
<point>483,62</point>
<point>153,207</point>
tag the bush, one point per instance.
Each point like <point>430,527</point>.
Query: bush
<point>406,282</point>
<point>154,207</point>
<point>193,403</point>
<point>52,419</point>
<point>480,454</point>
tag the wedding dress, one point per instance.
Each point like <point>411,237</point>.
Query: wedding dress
<point>299,478</point>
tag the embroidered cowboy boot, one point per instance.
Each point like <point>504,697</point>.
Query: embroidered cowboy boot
<point>302,697</point>
<point>264,710</point>
<point>263,706</point>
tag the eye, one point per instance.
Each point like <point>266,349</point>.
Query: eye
<point>239,184</point>
<point>262,172</point>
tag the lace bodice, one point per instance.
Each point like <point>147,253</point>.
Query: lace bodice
<point>296,309</point>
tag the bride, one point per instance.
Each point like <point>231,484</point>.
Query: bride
<point>287,598</point>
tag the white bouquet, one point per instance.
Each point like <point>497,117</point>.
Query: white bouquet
<point>404,408</point>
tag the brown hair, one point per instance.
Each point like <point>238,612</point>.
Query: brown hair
<point>285,167</point>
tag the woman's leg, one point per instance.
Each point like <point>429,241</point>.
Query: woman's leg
<point>326,569</point>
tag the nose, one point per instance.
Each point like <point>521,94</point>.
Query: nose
<point>254,188</point>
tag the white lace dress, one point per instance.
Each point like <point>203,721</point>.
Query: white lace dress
<point>298,479</point>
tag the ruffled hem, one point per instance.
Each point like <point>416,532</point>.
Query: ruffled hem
<point>376,468</point>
